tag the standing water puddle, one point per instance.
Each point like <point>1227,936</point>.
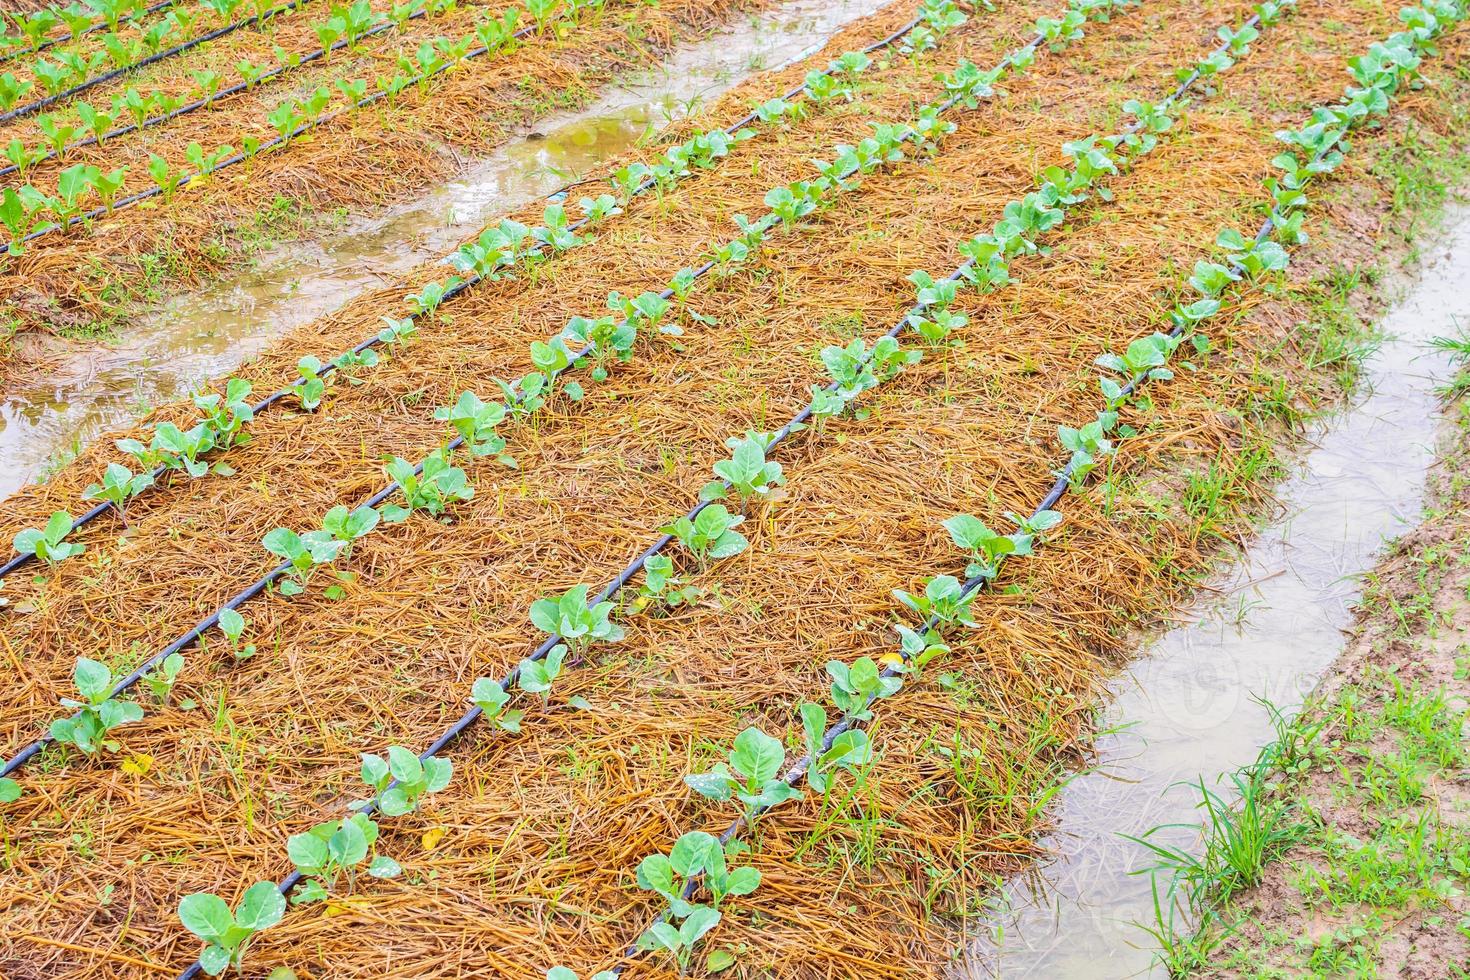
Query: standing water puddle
<point>209,333</point>
<point>1271,628</point>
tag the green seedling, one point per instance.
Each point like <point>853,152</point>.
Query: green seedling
<point>49,543</point>
<point>347,526</point>
<point>849,750</point>
<point>663,586</point>
<point>402,780</point>
<point>227,415</point>
<point>608,337</point>
<point>695,857</point>
<point>1145,359</point>
<point>161,680</point>
<point>569,617</point>
<point>751,773</point>
<point>332,848</point>
<point>747,472</point>
<point>679,941</point>
<point>944,599</point>
<point>491,698</point>
<point>476,423</point>
<point>855,687</point>
<point>402,331</point>
<point>430,487</point>
<point>987,549</point>
<point>98,713</point>
<point>917,649</point>
<point>1088,445</point>
<point>302,553</point>
<point>227,934</point>
<point>311,386</point>
<point>232,625</point>
<point>562,973</point>
<point>711,535</point>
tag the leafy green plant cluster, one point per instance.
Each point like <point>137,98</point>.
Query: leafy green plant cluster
<point>27,211</point>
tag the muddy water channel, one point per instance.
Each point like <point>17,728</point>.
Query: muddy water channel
<point>208,334</point>
<point>1269,627</point>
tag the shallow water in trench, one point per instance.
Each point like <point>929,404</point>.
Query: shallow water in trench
<point>1269,626</point>
<point>209,333</point>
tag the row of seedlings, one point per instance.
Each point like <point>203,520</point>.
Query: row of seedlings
<point>344,27</point>
<point>29,214</point>
<point>497,253</point>
<point>434,482</point>
<point>32,33</point>
<point>73,73</point>
<point>756,771</point>
<point>709,533</point>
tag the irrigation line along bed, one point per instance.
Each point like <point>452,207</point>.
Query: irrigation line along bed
<point>264,582</point>
<point>797,772</point>
<point>1048,502</point>
<point>18,559</point>
<point>223,93</point>
<point>284,138</point>
<point>51,42</point>
<point>30,108</point>
<point>609,591</point>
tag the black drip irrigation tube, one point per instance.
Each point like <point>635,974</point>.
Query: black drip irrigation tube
<point>1052,498</point>
<point>31,108</point>
<point>222,94</point>
<point>19,559</point>
<point>465,721</point>
<point>51,42</point>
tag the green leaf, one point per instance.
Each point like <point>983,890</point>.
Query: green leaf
<point>261,907</point>
<point>757,755</point>
<point>206,916</point>
<point>719,960</point>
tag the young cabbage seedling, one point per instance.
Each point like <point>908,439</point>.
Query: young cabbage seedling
<point>1087,445</point>
<point>699,856</point>
<point>331,848</point>
<point>97,714</point>
<point>429,487</point>
<point>849,750</point>
<point>311,386</point>
<point>488,695</point>
<point>227,934</point>
<point>303,552</point>
<point>232,625</point>
<point>747,472</point>
<point>476,420</point>
<point>161,680</point>
<point>679,941</point>
<point>855,687</point>
<point>663,586</point>
<point>569,617</point>
<point>49,543</point>
<point>227,415</point>
<point>751,773</point>
<point>402,780</point>
<point>562,973</point>
<point>711,535</point>
<point>347,526</point>
<point>987,548</point>
<point>944,599</point>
